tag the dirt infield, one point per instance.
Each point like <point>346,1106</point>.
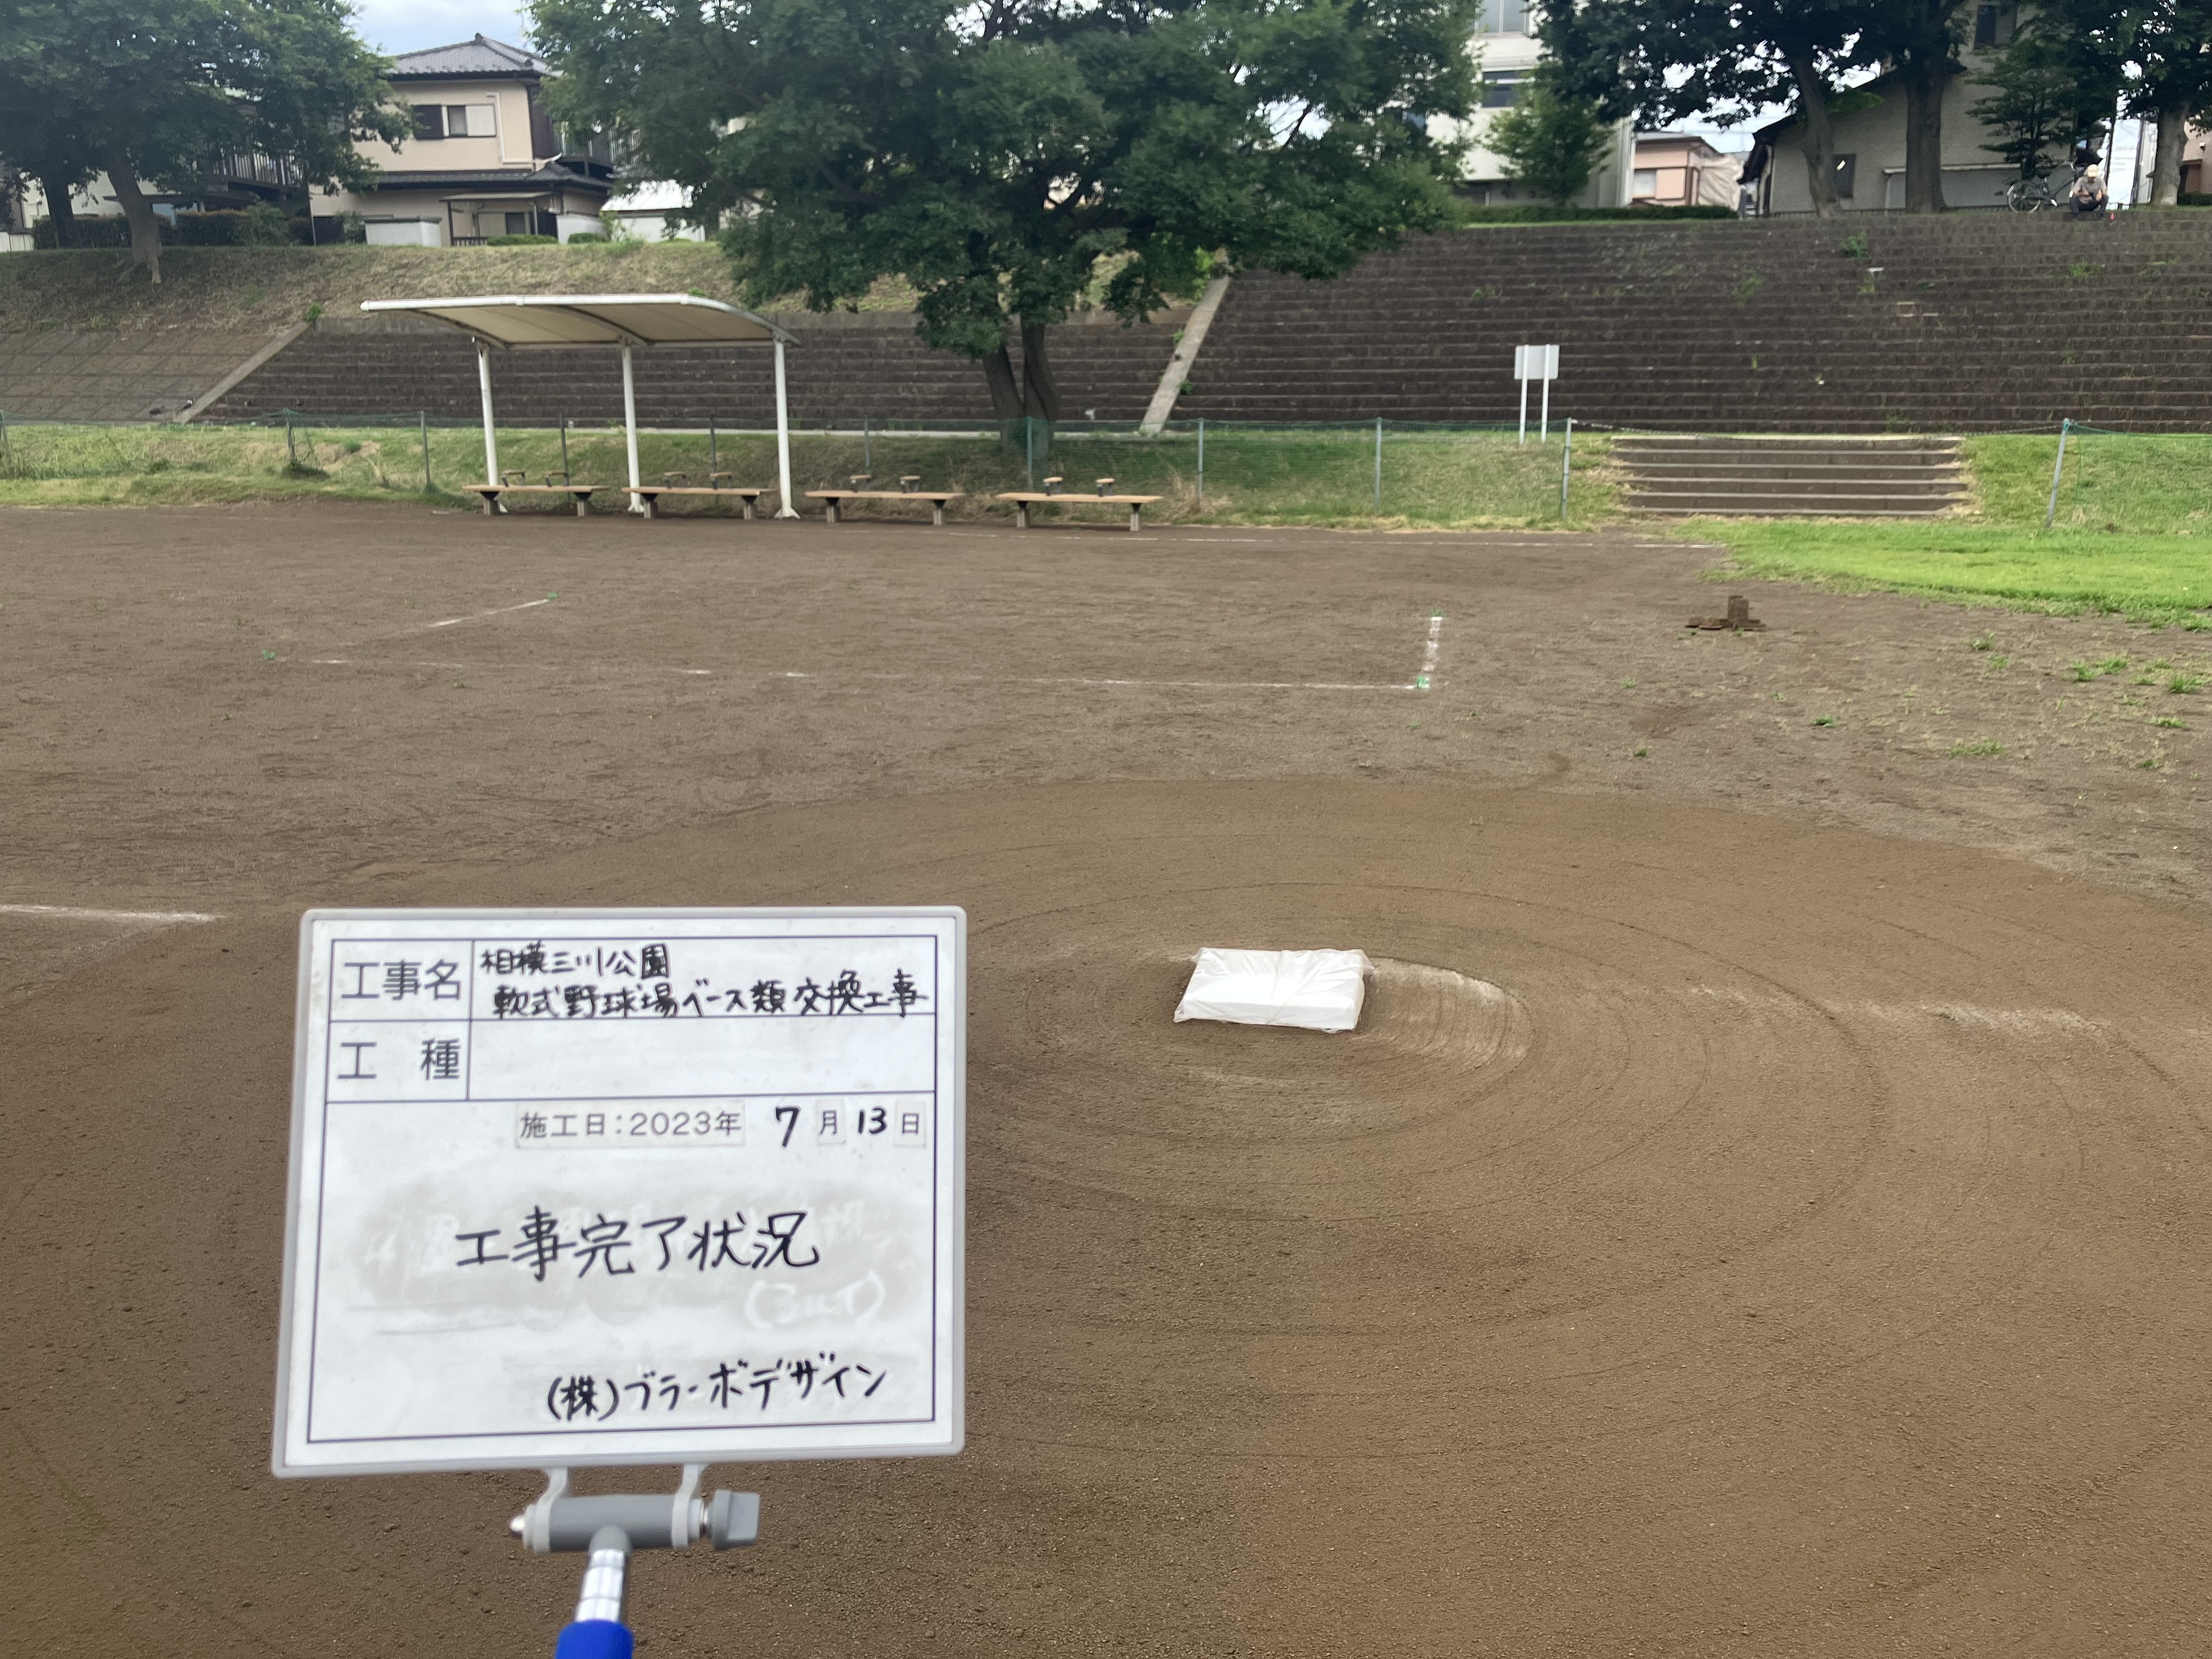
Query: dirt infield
<point>1753,1219</point>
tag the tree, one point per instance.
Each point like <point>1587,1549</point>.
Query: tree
<point>999,154</point>
<point>1667,60</point>
<point>2049,91</point>
<point>2168,43</point>
<point>1551,139</point>
<point>1922,39</point>
<point>151,91</point>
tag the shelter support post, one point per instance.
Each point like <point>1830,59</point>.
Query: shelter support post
<point>491,443</point>
<point>783,441</point>
<point>637,503</point>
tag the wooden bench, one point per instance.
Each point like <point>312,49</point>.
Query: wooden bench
<point>648,493</point>
<point>1025,499</point>
<point>831,499</point>
<point>580,494</point>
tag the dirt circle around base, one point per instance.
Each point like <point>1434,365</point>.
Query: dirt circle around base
<point>1698,1187</point>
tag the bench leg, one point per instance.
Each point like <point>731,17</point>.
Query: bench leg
<point>652,509</point>
<point>937,514</point>
<point>747,503</point>
<point>1136,519</point>
<point>491,502</point>
<point>583,507</point>
<point>828,512</point>
<point>1021,515</point>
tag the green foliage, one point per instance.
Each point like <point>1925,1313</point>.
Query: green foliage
<point>147,90</point>
<point>994,156</point>
<point>1552,139</point>
<point>520,239</point>
<point>2047,94</point>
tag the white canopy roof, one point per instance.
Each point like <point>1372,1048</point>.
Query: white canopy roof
<point>583,319</point>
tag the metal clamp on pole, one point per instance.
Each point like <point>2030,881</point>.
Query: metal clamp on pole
<point>609,1528</point>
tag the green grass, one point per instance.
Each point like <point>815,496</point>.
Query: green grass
<point>2140,483</point>
<point>1292,477</point>
<point>2148,577</point>
<point>2132,535</point>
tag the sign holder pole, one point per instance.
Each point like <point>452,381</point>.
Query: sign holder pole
<point>605,1530</point>
<point>1544,431</point>
<point>1524,404</point>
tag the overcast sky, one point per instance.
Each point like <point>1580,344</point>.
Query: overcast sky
<point>396,26</point>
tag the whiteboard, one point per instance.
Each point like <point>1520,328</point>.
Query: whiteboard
<point>599,1187</point>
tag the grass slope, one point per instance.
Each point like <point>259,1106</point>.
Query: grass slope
<point>1428,479</point>
<point>244,288</point>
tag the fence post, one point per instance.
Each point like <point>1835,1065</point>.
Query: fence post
<point>292,452</point>
<point>1029,451</point>
<point>2051,513</point>
<point>1202,460</point>
<point>422,420</point>
<point>1566,461</point>
<point>1379,462</point>
<point>714,454</point>
<point>867,446</point>
<point>4,456</point>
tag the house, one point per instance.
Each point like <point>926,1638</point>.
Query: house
<point>1504,35</point>
<point>485,159</point>
<point>1682,169</point>
<point>1869,141</point>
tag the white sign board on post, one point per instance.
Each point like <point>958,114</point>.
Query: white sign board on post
<point>1535,362</point>
<point>597,1186</point>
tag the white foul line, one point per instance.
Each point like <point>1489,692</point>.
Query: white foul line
<point>75,913</point>
<point>451,622</point>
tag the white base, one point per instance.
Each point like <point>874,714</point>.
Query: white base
<point>1314,990</point>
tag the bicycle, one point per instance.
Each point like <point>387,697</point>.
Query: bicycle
<point>2035,194</point>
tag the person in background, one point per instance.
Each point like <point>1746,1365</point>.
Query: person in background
<point>2087,197</point>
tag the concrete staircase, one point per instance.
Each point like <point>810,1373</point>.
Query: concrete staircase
<point>849,366</point>
<point>1873,323</point>
<point>1790,477</point>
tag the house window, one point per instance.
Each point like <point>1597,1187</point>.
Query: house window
<point>517,224</point>
<point>1503,17</point>
<point>1499,90</point>
<point>430,121</point>
<point>457,122</point>
<point>1995,25</point>
<point>1645,182</point>
<point>1842,176</point>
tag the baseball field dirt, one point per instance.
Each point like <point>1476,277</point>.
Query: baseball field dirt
<point>1759,1214</point>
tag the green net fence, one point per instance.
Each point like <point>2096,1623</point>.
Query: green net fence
<point>1385,472</point>
<point>1372,471</point>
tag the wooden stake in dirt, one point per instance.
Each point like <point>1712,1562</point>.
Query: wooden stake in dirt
<point>1739,618</point>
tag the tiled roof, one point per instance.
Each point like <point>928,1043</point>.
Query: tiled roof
<point>482,56</point>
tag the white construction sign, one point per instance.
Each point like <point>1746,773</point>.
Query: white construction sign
<point>1536,362</point>
<point>579,1186</point>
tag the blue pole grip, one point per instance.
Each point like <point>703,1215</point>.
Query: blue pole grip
<point>594,1638</point>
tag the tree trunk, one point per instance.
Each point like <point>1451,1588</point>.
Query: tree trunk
<point>59,207</point>
<point>1924,136</point>
<point>1818,139</point>
<point>1040,392</point>
<point>138,213</point>
<point>2166,170</point>
<point>1005,391</point>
